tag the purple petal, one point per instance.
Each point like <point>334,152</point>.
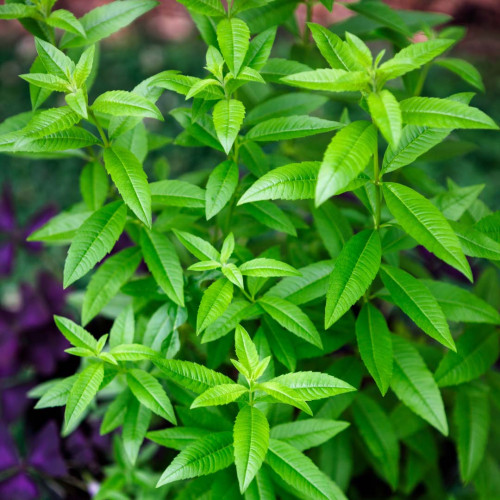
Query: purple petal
<point>6,258</point>
<point>46,452</point>
<point>19,487</point>
<point>36,222</point>
<point>7,214</point>
<point>15,402</point>
<point>8,452</point>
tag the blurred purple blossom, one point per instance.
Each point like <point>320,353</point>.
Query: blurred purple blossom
<point>42,459</point>
<point>13,236</point>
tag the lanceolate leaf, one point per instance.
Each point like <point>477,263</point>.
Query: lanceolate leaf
<point>417,301</point>
<point>301,473</point>
<point>251,440</point>
<point>150,393</point>
<point>77,335</point>
<point>444,113</point>
<point>200,248</point>
<point>329,80</point>
<point>205,456</point>
<point>82,393</point>
<point>177,438</point>
<point>233,36</point>
<point>292,318</point>
<point>220,187</point>
<point>177,194</point>
<point>475,243</point>
<point>375,345</point>
<point>263,267</point>
<point>215,301</point>
<point>378,434</point>
<point>355,269</point>
<point>135,426</point>
<point>415,387</point>
<point>108,280</point>
<point>122,103</point>
<point>296,181</point>
<point>464,70</point>
<point>459,304</point>
<point>130,179</point>
<point>222,394</point>
<point>425,223</point>
<point>290,127</point>
<point>477,350</point>
<point>228,117</point>
<point>163,262</point>
<point>472,418</point>
<point>386,114</point>
<point>95,238</point>
<point>346,157</point>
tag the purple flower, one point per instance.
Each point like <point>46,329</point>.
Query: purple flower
<point>14,235</point>
<point>43,459</point>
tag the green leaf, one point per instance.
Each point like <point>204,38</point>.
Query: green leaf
<point>301,473</point>
<point>310,285</point>
<point>123,103</point>
<point>251,440</point>
<point>205,456</point>
<point>219,395</point>
<point>55,62</point>
<point>81,395</point>
<point>133,352</point>
<point>412,57</point>
<point>233,36</point>
<point>94,239</point>
<point>329,80</point>
<point>84,66</point>
<point>333,227</point>
<point>472,418</point>
<point>216,299</point>
<point>355,269</point>
<point>150,393</point>
<point>296,103</point>
<point>345,158</point>
<point>107,19</point>
<point>49,82</point>
<point>267,268</point>
<point>444,113</point>
<point>245,350</point>
<point>135,427</point>
<point>57,394</point>
<point>77,101</point>
<point>115,413</point>
<point>174,193</point>
<point>459,304</point>
<point>196,378</point>
<point>228,116</point>
<point>284,394</point>
<point>308,433</point>
<point>73,138</point>
<point>107,281</point>
<point>221,185</point>
<point>61,228</point>
<point>94,185</point>
<point>17,11</point>
<point>206,7</point>
<point>48,122</point>
<point>337,53</point>
<point>375,345</point>
<point>378,434</point>
<point>417,301</point>
<point>290,127</point>
<point>292,318</point>
<point>270,215</point>
<point>425,223</point>
<point>464,70</point>
<point>385,111</point>
<point>201,249</point>
<point>76,335</point>
<point>313,385</point>
<point>382,13</point>
<point>414,385</point>
<point>477,350</point>
<point>414,142</point>
<point>131,181</point>
<point>260,49</point>
<point>261,488</point>
<point>123,329</point>
<point>162,260</point>
<point>176,438</point>
<point>65,20</point>
<point>475,243</point>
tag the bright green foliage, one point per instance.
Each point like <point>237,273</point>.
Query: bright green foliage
<point>272,315</point>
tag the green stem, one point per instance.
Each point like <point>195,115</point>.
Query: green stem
<point>421,80</point>
<point>309,10</point>
<point>99,128</point>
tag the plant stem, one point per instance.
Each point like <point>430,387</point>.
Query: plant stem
<point>99,127</point>
<point>309,10</point>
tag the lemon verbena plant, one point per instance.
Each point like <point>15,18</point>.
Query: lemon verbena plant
<point>287,336</point>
